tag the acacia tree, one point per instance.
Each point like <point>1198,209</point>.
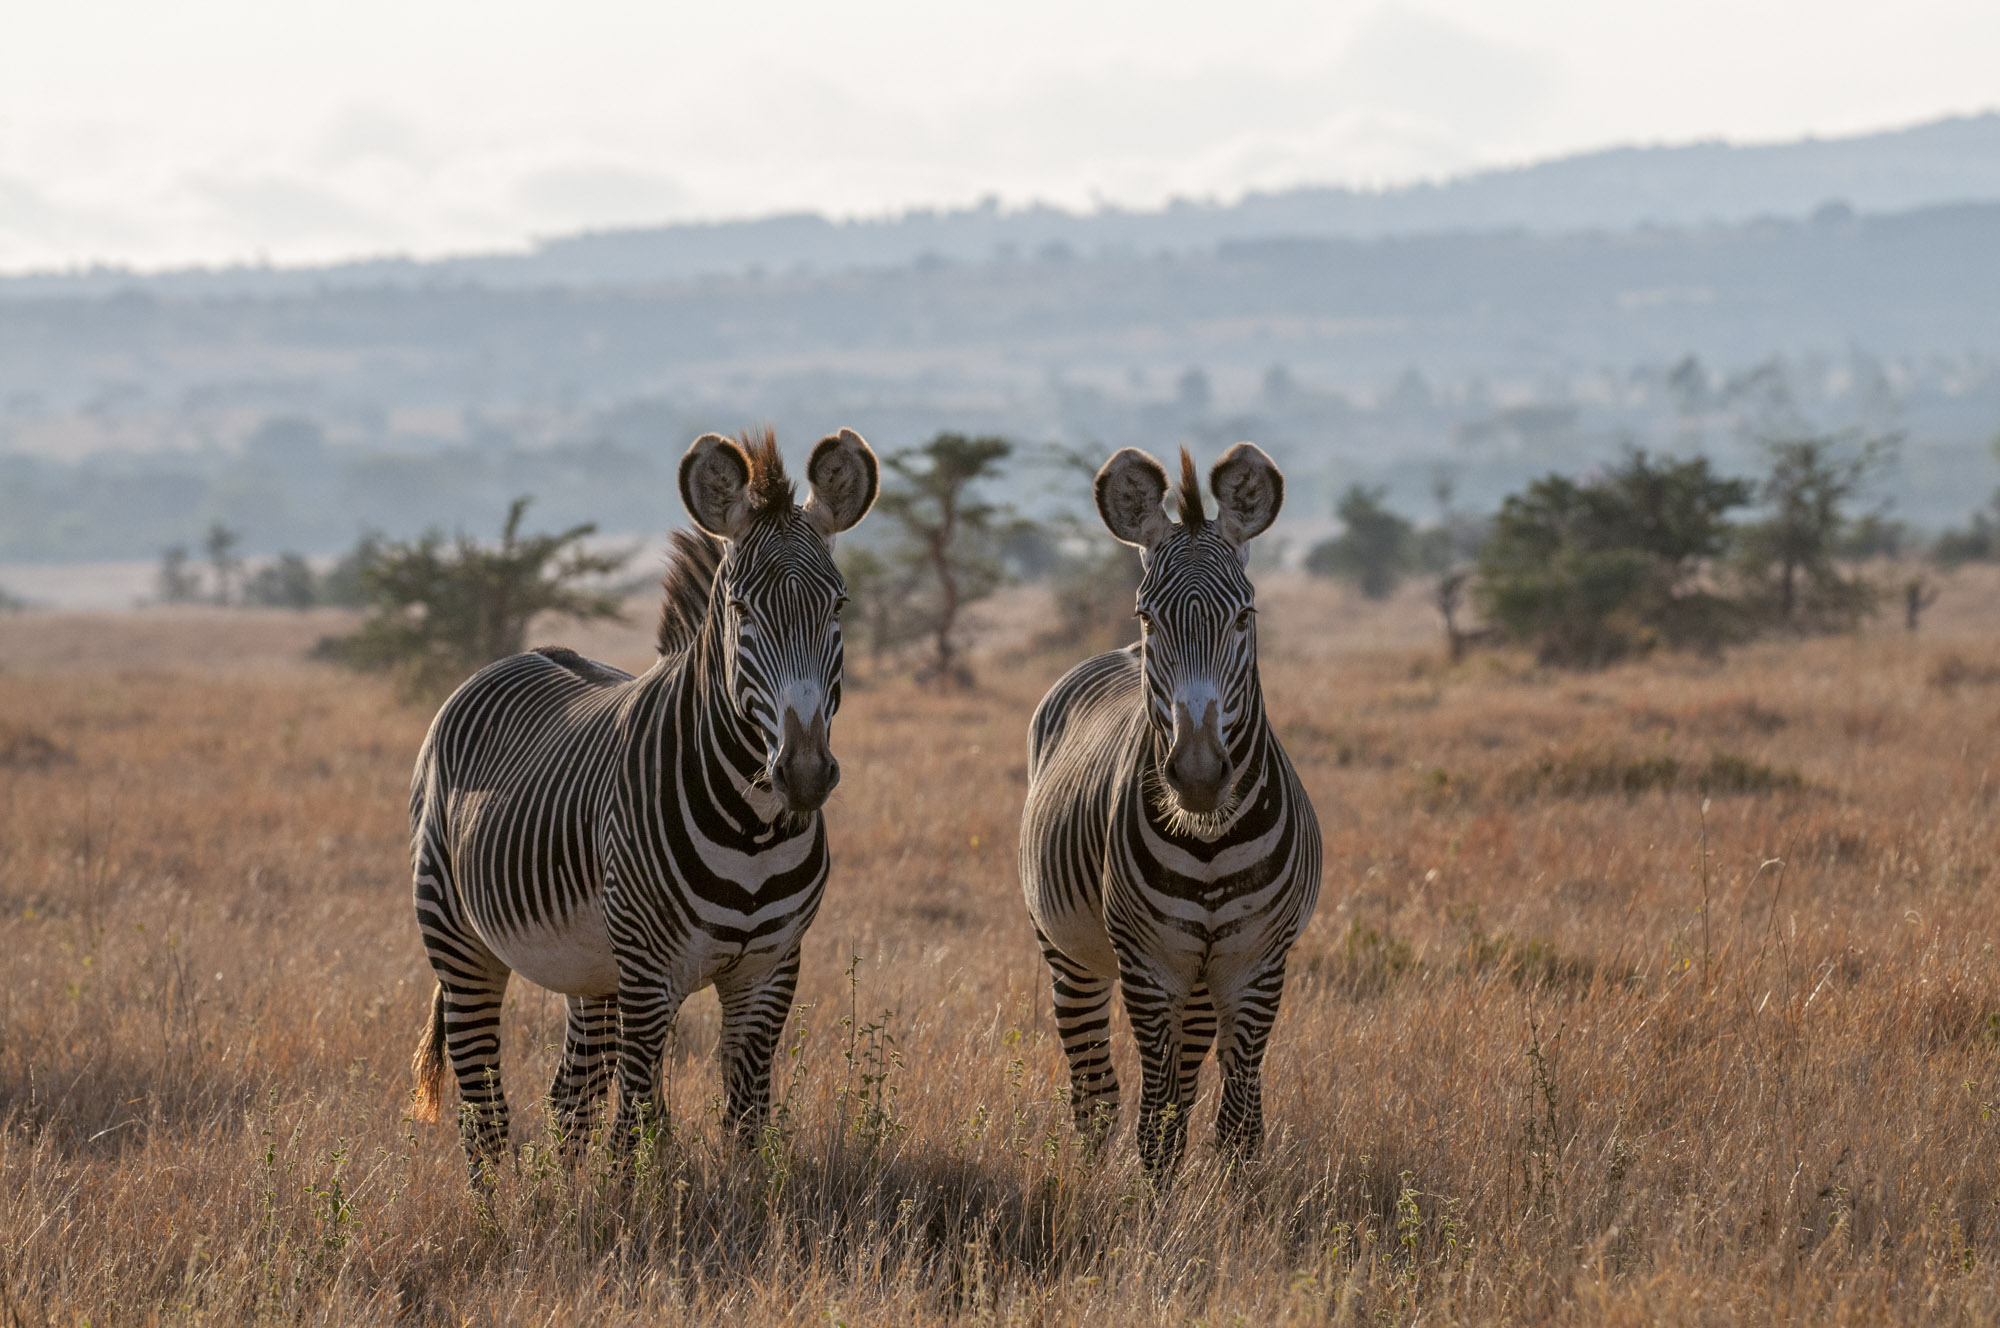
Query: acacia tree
<point>220,546</point>
<point>286,582</point>
<point>1790,557</point>
<point>176,582</point>
<point>441,611</point>
<point>1374,550</point>
<point>950,536</point>
<point>1591,572</point>
<point>879,589</point>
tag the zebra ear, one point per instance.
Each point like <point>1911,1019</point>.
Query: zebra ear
<point>844,478</point>
<point>1130,490</point>
<point>715,485</point>
<point>1249,491</point>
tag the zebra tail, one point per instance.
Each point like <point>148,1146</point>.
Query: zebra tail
<point>427,1066</point>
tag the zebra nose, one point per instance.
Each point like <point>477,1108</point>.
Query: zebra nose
<point>805,771</point>
<point>1198,764</point>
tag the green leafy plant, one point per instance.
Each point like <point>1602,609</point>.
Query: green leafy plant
<point>443,610</point>
<point>1590,572</point>
<point>1374,551</point>
<point>1789,560</point>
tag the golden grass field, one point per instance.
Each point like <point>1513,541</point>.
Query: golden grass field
<point>1558,1046</point>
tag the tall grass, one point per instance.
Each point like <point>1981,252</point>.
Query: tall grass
<point>1562,1047</point>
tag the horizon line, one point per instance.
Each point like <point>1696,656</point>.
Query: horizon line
<point>531,243</point>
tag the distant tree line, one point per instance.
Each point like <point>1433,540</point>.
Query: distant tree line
<point>289,581</point>
<point>440,608</point>
<point>1649,552</point>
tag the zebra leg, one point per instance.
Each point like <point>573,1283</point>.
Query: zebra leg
<point>1246,1017</point>
<point>590,1045</point>
<point>1155,1014</point>
<point>1083,1021</point>
<point>472,1041</point>
<point>472,984</point>
<point>646,1010</point>
<point>754,1010</point>
<point>1197,1036</point>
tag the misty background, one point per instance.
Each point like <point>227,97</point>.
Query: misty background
<point>325,275</point>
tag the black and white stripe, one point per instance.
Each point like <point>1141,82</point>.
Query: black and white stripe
<point>1167,844</point>
<point>629,840</point>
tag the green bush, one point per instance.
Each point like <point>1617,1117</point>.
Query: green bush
<point>1376,548</point>
<point>1978,541</point>
<point>286,582</point>
<point>441,611</point>
<point>1789,561</point>
<point>1587,573</point>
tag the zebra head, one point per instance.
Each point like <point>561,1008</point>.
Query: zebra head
<point>781,594</point>
<point>1197,613</point>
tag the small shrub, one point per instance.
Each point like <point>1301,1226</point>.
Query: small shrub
<point>1729,773</point>
<point>1595,774</point>
<point>1978,541</point>
<point>1952,669</point>
<point>23,748</point>
<point>286,582</point>
<point>1371,960</point>
<point>1374,551</point>
<point>443,612</point>
<point>1524,961</point>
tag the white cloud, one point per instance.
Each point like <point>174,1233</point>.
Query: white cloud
<point>593,195</point>
<point>1405,61</point>
<point>217,130</point>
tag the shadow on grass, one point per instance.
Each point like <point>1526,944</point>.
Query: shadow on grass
<point>111,1101</point>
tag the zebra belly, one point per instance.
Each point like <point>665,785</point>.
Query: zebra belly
<point>571,954</point>
<point>703,958</point>
<point>1073,922</point>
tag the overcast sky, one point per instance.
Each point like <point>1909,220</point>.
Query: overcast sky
<point>215,131</point>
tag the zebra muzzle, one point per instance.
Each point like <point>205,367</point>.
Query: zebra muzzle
<point>804,770</point>
<point>1197,766</point>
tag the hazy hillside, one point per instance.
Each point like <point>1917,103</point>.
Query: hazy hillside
<point>301,409</point>
<point>1952,160</point>
<point>127,421</point>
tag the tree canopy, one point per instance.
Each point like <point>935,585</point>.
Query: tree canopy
<point>443,609</point>
<point>1590,571</point>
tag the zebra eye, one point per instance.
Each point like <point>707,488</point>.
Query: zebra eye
<point>839,605</point>
<point>1243,619</point>
<point>739,608</point>
<point>1145,619</point>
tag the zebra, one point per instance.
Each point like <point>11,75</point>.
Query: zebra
<point>627,841</point>
<point>1167,844</point>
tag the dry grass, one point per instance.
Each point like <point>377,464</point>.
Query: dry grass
<point>1558,1046</point>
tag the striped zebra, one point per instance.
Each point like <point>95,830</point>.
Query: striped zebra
<point>627,841</point>
<point>1167,843</point>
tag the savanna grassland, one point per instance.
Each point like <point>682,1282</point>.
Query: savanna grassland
<point>1560,1044</point>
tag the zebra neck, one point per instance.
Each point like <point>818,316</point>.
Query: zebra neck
<point>728,746</point>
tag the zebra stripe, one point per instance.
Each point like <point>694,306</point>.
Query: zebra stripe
<point>629,840</point>
<point>1167,845</point>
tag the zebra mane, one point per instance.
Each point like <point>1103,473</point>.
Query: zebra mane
<point>1187,495</point>
<point>685,588</point>
<point>770,487</point>
<point>696,556</point>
